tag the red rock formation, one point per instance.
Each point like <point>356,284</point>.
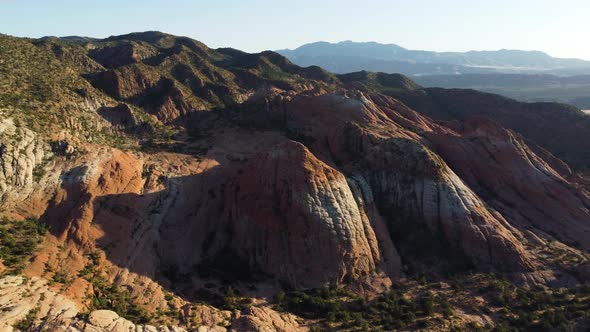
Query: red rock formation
<point>291,213</point>
<point>380,144</point>
<point>529,191</point>
<point>297,218</point>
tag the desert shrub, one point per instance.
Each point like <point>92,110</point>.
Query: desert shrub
<point>427,303</point>
<point>233,301</point>
<point>447,309</point>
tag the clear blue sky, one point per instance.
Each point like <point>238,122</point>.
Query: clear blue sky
<point>561,28</point>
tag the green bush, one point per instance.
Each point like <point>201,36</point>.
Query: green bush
<point>427,303</point>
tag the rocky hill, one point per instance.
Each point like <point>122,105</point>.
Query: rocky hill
<point>148,182</point>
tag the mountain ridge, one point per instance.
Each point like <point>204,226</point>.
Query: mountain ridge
<point>394,58</point>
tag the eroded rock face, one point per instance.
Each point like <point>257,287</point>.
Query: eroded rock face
<point>41,305</point>
<point>266,320</point>
<point>123,54</point>
<point>102,172</point>
<point>287,206</point>
<point>121,116</point>
<point>379,142</point>
<point>25,167</point>
<point>19,296</point>
<point>125,83</point>
<point>433,206</point>
<point>527,189</point>
<point>283,207</point>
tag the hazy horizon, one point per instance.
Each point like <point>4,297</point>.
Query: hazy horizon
<point>453,26</point>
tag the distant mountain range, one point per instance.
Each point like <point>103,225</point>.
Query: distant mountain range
<point>348,56</point>
<point>523,75</point>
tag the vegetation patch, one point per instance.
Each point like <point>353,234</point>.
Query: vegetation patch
<point>27,323</point>
<point>337,308</point>
<point>108,296</point>
<point>18,241</point>
<point>537,309</point>
<point>423,305</point>
<point>226,298</point>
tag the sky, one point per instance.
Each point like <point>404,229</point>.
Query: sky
<point>560,28</point>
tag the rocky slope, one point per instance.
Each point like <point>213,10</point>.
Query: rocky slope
<point>548,125</point>
<point>184,175</point>
<point>22,301</point>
